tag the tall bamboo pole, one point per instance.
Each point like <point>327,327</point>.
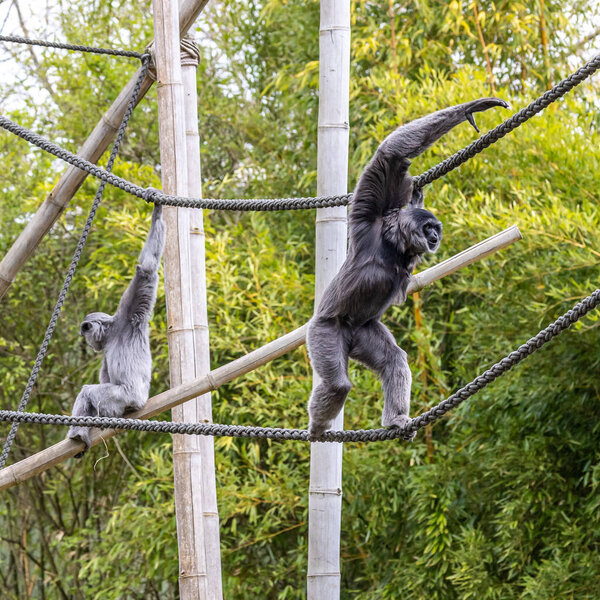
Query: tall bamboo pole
<point>199,457</point>
<point>325,491</point>
<point>71,180</point>
<point>45,459</point>
<point>193,583</point>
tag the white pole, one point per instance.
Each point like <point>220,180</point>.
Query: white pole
<point>178,291</point>
<point>325,491</point>
<point>200,449</point>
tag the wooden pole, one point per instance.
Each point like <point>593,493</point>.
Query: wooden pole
<point>197,452</point>
<point>325,489</point>
<point>193,583</point>
<point>465,258</point>
<point>45,459</point>
<point>71,180</point>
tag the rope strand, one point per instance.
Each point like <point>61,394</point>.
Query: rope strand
<point>17,39</point>
<point>269,204</point>
<point>360,435</point>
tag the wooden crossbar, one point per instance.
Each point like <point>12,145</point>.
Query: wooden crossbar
<point>45,459</point>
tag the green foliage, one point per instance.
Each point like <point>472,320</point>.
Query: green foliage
<point>501,501</point>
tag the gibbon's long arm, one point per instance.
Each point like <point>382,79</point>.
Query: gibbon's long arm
<point>385,184</point>
<point>138,300</point>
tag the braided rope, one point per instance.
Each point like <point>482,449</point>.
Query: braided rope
<point>75,47</point>
<point>155,196</point>
<point>360,435</point>
<point>73,266</point>
<point>491,137</point>
<point>269,204</point>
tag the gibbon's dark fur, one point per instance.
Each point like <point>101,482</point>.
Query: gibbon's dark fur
<point>389,232</point>
<point>124,338</point>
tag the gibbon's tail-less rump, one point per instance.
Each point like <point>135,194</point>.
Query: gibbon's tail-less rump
<point>389,232</point>
<point>124,338</point>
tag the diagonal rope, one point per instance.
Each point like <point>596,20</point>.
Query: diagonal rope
<point>73,266</point>
<point>491,137</point>
<point>361,435</point>
<point>268,204</point>
<point>17,39</point>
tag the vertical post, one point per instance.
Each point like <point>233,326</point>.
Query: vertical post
<point>178,292</point>
<point>202,446</point>
<point>325,492</point>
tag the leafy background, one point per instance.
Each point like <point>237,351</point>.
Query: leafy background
<point>501,499</point>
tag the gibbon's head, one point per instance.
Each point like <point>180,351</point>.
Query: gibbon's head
<point>94,328</point>
<point>412,230</point>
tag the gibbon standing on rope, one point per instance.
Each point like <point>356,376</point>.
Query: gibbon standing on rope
<point>389,233</point>
<point>124,338</point>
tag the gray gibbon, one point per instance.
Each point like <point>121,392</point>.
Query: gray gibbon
<point>124,338</point>
<point>389,232</point>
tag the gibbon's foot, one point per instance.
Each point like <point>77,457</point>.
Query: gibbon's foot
<point>481,105</point>
<point>80,434</point>
<point>400,422</point>
<point>317,430</point>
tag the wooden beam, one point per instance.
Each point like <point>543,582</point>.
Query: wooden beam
<point>193,456</point>
<point>465,258</point>
<point>179,292</point>
<point>325,487</point>
<point>92,149</point>
<point>45,459</point>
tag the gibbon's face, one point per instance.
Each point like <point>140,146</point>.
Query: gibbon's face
<point>432,232</point>
<point>422,231</point>
<point>94,328</point>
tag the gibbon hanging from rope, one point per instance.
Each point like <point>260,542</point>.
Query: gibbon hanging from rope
<point>125,340</point>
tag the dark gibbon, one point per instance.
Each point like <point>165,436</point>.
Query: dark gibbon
<point>389,232</point>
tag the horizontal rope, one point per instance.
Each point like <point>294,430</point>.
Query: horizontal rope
<point>155,196</point>
<point>361,435</point>
<point>74,47</point>
<point>269,204</point>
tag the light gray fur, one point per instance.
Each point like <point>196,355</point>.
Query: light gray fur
<point>124,338</point>
<point>389,233</point>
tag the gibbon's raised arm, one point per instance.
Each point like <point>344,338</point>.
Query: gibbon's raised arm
<point>138,300</point>
<point>385,184</point>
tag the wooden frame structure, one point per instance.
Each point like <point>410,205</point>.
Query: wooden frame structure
<point>191,379</point>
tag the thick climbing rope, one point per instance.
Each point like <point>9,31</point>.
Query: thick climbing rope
<point>268,204</point>
<point>157,197</point>
<point>491,137</point>
<point>75,47</point>
<point>74,262</point>
<point>361,435</point>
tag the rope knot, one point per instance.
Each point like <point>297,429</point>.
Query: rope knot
<point>151,194</point>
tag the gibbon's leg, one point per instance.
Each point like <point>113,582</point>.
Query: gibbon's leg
<point>82,408</point>
<point>328,345</point>
<point>99,400</point>
<point>375,346</point>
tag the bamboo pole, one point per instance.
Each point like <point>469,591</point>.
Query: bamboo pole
<point>71,180</point>
<point>465,258</point>
<point>45,459</point>
<point>193,582</point>
<point>197,452</point>
<point>325,488</point>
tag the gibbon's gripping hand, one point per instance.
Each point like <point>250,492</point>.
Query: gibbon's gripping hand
<point>481,105</point>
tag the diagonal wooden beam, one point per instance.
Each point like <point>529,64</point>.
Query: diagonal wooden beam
<point>45,459</point>
<point>71,180</point>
